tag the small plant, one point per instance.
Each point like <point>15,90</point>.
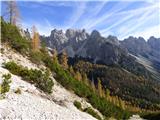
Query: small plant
<point>90,111</point>
<point>36,57</point>
<point>5,87</point>
<point>2,50</point>
<point>40,78</point>
<point>18,91</point>
<point>13,67</point>
<point>78,105</point>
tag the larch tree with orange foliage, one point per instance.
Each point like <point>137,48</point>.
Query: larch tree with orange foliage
<point>35,39</point>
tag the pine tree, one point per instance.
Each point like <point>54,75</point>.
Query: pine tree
<point>63,60</point>
<point>55,59</point>
<point>100,88</point>
<point>35,39</point>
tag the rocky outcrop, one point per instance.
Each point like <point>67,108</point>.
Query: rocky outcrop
<point>148,49</point>
<point>76,35</point>
<point>154,43</point>
<point>103,49</point>
<point>57,39</point>
<point>136,45</point>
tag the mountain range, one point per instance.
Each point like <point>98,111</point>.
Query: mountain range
<point>137,55</point>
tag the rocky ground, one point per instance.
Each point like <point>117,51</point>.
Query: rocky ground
<point>34,104</point>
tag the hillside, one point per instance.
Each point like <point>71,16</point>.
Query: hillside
<point>138,90</point>
<point>32,103</point>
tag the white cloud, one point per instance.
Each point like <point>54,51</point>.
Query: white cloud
<point>107,15</point>
<point>139,22</point>
<point>131,21</point>
<point>79,10</point>
<point>146,33</point>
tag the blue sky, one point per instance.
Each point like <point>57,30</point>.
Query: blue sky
<point>121,18</point>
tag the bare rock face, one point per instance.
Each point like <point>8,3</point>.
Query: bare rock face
<point>75,38</point>
<point>136,45</point>
<point>57,38</point>
<point>76,35</point>
<point>148,49</point>
<point>104,49</point>
<point>114,40</point>
<point>154,43</point>
<point>95,34</point>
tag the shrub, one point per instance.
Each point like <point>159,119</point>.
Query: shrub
<point>5,83</point>
<point>41,79</point>
<point>36,57</point>
<point>2,50</point>
<point>18,91</point>
<point>78,105</point>
<point>11,34</point>
<point>92,112</point>
<point>46,83</point>
<point>13,67</point>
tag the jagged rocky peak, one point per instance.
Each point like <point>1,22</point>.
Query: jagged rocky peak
<point>77,35</point>
<point>58,35</point>
<point>154,43</point>
<point>141,40</point>
<point>113,40</point>
<point>70,33</point>
<point>136,45</point>
<point>56,31</point>
<point>95,34</point>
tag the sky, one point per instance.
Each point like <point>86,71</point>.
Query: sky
<point>121,18</point>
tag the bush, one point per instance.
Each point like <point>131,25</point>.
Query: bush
<point>10,34</point>
<point>36,57</point>
<point>90,111</point>
<point>78,105</point>
<point>46,83</point>
<point>5,87</point>
<point>13,67</point>
<point>41,79</point>
<point>2,50</point>
<point>18,91</point>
